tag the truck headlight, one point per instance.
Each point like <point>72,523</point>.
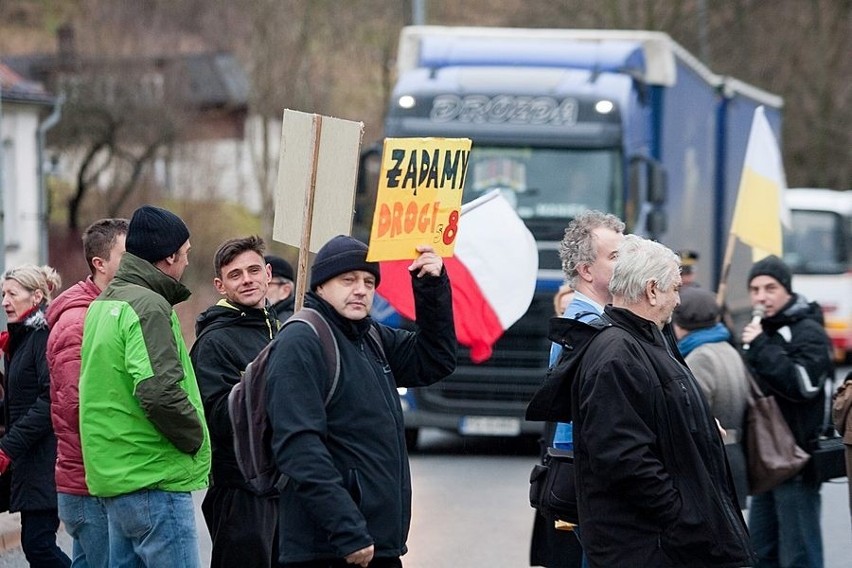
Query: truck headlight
<point>406,102</point>
<point>604,106</point>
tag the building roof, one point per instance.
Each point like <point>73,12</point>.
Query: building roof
<point>14,88</point>
<point>211,79</point>
<point>215,79</point>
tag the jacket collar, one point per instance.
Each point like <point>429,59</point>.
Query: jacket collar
<point>135,270</point>
<point>226,313</point>
<point>34,319</point>
<point>796,309</point>
<point>645,330</point>
<point>636,325</point>
<point>283,305</point>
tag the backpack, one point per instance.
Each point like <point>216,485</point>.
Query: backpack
<point>247,405</point>
<point>552,484</point>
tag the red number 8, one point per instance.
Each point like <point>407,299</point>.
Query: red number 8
<point>452,228</point>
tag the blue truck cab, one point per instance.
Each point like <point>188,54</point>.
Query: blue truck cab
<point>626,122</point>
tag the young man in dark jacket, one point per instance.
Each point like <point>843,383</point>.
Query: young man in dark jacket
<point>282,288</point>
<point>653,484</point>
<point>348,498</point>
<point>790,356</point>
<point>243,525</point>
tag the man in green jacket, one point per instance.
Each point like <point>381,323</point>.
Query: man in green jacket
<point>144,437</point>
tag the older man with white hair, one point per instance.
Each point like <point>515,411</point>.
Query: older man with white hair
<point>653,484</point>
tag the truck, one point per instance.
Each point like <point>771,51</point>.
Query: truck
<point>626,122</point>
<point>818,249</point>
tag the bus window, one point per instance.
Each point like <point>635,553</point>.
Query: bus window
<point>815,243</point>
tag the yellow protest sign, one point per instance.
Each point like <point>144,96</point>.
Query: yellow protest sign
<point>419,196</point>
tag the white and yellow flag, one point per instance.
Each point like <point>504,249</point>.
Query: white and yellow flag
<point>760,208</point>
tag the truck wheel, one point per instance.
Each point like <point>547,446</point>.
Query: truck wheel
<point>411,438</point>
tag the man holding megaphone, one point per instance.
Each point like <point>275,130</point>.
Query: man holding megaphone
<point>789,353</point>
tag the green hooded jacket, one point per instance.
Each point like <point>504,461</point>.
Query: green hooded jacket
<point>141,420</point>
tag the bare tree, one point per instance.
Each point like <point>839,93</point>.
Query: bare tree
<point>118,125</point>
<point>313,57</point>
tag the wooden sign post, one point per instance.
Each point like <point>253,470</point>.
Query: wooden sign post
<point>317,176</point>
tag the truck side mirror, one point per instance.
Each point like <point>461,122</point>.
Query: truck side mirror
<point>657,183</point>
<point>369,167</point>
<point>648,178</point>
<point>656,223</point>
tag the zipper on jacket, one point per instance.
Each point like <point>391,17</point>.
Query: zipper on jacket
<point>369,354</point>
<point>693,423</point>
<point>733,520</point>
<point>689,393</point>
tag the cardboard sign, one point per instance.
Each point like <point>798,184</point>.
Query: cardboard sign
<point>419,197</point>
<point>318,165</point>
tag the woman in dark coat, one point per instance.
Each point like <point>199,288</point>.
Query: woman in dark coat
<point>28,448</point>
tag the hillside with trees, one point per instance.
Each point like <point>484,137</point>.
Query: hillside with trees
<point>337,58</point>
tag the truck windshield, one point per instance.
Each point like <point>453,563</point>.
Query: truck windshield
<point>547,184</point>
<point>815,243</point>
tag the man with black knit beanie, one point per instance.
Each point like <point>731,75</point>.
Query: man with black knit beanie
<point>144,438</point>
<point>341,444</point>
<point>281,292</point>
<point>789,354</point>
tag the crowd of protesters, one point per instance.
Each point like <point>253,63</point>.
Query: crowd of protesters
<point>111,422</point>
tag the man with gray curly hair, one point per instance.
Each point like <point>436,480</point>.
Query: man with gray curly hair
<point>653,485</point>
<point>587,251</point>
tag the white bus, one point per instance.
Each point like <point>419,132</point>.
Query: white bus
<point>818,248</point>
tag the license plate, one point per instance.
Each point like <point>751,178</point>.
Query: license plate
<point>489,426</point>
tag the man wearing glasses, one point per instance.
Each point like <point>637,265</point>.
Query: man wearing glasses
<point>280,292</point>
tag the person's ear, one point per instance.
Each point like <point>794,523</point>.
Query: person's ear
<point>219,285</point>
<point>38,296</point>
<point>98,264</point>
<point>585,271</point>
<point>651,290</point>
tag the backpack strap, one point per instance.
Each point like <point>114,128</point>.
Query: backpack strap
<point>330,350</point>
<point>376,341</point>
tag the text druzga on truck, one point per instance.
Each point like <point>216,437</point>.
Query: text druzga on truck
<point>562,121</point>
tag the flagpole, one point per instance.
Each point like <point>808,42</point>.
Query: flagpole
<point>726,268</point>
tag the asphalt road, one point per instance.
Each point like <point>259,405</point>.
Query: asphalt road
<point>471,507</point>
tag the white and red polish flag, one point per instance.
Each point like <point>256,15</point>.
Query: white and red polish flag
<point>492,273</point>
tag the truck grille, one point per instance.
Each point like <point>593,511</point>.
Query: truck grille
<point>504,384</point>
<point>450,390</point>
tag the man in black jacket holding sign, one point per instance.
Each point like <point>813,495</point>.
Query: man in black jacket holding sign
<point>790,355</point>
<point>342,445</point>
<point>653,483</point>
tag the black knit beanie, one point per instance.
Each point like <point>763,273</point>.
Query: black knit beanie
<point>280,267</point>
<point>155,233</point>
<point>774,267</point>
<point>341,254</point>
<point>697,309</point>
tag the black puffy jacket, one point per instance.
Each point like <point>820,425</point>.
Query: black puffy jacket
<point>228,338</point>
<point>29,438</point>
<point>792,359</point>
<point>349,480</point>
<point>653,484</point>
